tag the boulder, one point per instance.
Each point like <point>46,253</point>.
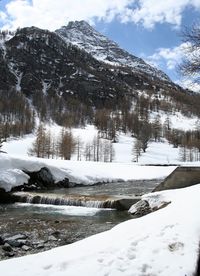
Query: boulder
<point>41,180</point>
<point>140,208</point>
<point>16,240</point>
<point>1,240</point>
<point>6,197</point>
<point>25,247</point>
<point>125,203</point>
<point>6,247</point>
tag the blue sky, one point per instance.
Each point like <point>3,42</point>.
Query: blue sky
<point>146,28</point>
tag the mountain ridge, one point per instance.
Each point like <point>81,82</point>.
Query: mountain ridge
<point>66,83</point>
<point>81,34</point>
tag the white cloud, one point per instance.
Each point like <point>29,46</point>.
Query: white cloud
<point>169,57</point>
<point>150,12</point>
<point>3,16</point>
<point>52,14</point>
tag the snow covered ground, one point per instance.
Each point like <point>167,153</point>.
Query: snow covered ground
<point>12,167</point>
<point>162,243</point>
<point>155,153</point>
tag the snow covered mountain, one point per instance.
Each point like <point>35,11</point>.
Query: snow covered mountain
<point>81,34</point>
<point>67,76</point>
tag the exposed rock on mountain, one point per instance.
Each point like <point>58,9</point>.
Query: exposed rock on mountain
<point>69,73</point>
<point>81,34</point>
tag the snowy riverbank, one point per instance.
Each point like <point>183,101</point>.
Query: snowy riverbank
<point>80,172</point>
<point>162,243</point>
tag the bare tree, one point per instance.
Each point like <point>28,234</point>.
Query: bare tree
<point>66,144</point>
<point>136,150</point>
<point>38,146</point>
<point>79,146</point>
<point>191,63</point>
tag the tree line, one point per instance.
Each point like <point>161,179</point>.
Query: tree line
<point>17,118</point>
<point>63,146</point>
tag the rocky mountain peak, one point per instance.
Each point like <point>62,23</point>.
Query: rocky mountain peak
<point>84,36</point>
<point>79,25</point>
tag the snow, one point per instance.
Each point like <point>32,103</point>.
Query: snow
<point>179,121</point>
<point>156,153</point>
<point>19,146</point>
<point>12,167</point>
<point>10,178</point>
<point>163,243</point>
<point>160,153</point>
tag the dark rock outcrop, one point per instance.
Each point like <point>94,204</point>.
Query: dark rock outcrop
<point>41,180</point>
<point>5,197</point>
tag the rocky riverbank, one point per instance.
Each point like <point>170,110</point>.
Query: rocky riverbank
<point>34,235</point>
<point>26,230</point>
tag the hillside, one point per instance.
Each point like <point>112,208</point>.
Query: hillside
<point>76,76</point>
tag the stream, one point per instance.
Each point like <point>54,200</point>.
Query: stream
<point>45,226</point>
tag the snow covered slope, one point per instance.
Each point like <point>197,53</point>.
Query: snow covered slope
<point>81,34</point>
<point>162,243</point>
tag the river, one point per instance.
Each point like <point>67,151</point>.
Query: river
<point>47,226</point>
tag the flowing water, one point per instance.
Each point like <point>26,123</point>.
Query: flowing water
<point>48,226</point>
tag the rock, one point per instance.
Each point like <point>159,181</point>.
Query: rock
<point>6,197</point>
<point>6,247</point>
<point>41,179</point>
<point>37,242</point>
<point>52,238</point>
<point>25,247</point>
<point>14,243</point>
<point>63,183</point>
<point>1,240</point>
<point>16,240</point>
<point>141,208</point>
<point>56,233</point>
<point>9,254</point>
<point>17,237</point>
<point>125,203</point>
<point>40,246</point>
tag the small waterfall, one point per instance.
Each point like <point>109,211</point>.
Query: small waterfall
<point>51,199</point>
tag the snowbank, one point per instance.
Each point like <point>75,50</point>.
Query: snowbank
<point>162,243</point>
<point>11,171</point>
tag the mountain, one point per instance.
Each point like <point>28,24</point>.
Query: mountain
<point>35,61</point>
<point>81,34</point>
<point>70,74</point>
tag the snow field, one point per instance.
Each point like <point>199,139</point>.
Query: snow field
<point>156,153</point>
